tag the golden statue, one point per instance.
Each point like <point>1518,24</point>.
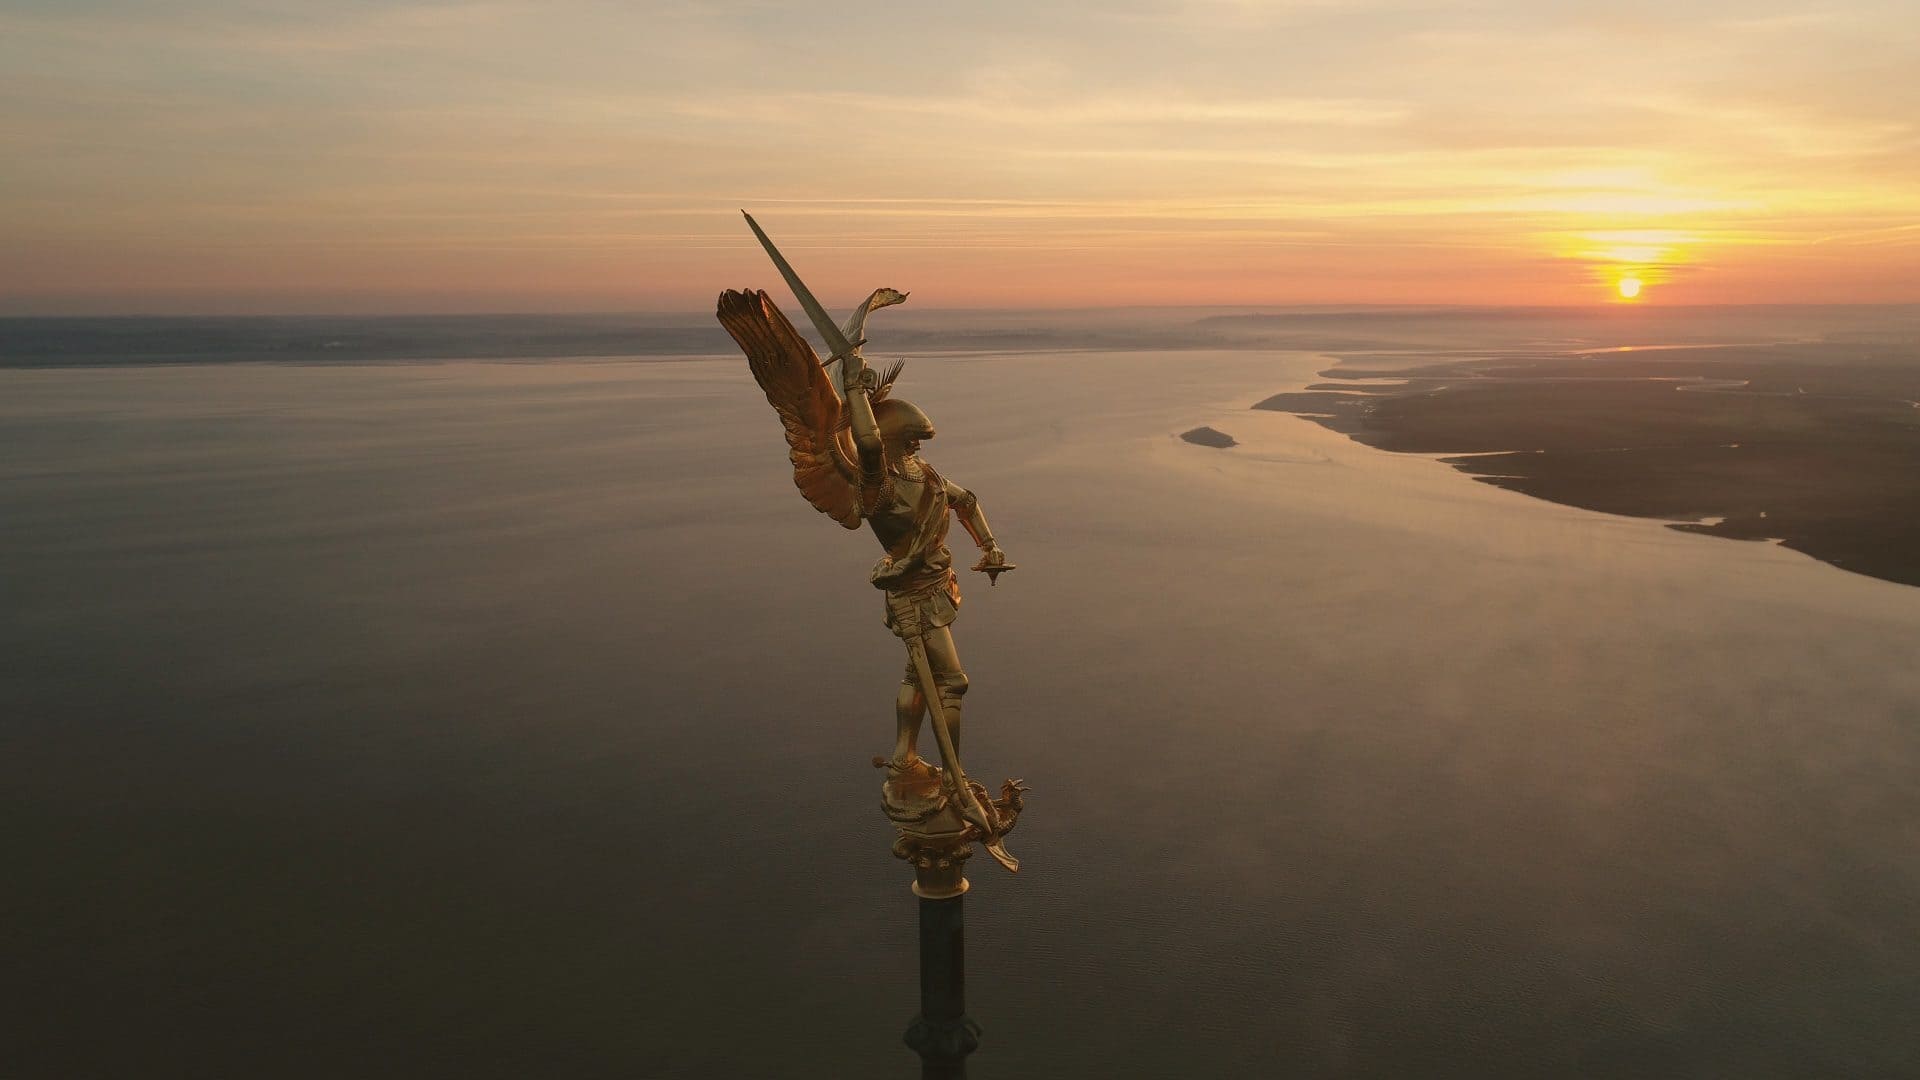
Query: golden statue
<point>856,457</point>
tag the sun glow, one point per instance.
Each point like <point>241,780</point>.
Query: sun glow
<point>1629,262</point>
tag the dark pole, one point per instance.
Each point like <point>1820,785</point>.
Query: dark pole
<point>943,1034</point>
<point>937,844</point>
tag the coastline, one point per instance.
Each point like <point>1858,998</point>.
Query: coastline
<point>1781,443</point>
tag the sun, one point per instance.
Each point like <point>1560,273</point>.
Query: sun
<point>1629,287</point>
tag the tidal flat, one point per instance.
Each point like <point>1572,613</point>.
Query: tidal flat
<point>1813,445</point>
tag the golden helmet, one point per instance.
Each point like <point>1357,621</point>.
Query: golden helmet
<point>900,421</point>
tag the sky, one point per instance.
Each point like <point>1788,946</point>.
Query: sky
<point>220,156</point>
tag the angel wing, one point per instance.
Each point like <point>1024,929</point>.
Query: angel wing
<point>788,370</point>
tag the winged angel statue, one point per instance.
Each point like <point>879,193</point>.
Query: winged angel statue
<point>855,450</point>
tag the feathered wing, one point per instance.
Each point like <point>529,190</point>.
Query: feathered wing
<point>788,370</point>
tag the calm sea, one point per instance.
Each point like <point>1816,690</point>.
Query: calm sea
<point>460,718</point>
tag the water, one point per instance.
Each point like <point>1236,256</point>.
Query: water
<point>509,719</point>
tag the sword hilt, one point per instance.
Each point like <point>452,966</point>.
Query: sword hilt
<point>994,571</point>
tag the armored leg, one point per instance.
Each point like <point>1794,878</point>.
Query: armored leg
<point>944,658</point>
<point>910,705</point>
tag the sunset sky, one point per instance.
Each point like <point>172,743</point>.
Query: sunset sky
<point>224,156</point>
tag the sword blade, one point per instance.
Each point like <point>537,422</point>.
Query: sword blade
<point>836,341</point>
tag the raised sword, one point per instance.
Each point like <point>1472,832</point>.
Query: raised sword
<point>847,352</point>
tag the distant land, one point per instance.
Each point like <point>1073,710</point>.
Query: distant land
<point>1815,445</point>
<point>1206,436</point>
<point>150,340</point>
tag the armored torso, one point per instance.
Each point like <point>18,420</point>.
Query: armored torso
<point>910,520</point>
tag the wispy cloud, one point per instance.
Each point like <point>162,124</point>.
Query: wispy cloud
<point>1272,150</point>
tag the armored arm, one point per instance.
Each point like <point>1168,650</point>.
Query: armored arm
<point>966,507</point>
<point>866,430</point>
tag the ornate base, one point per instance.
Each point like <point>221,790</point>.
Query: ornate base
<point>938,862</point>
<point>933,835</point>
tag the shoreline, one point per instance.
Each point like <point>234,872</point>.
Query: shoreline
<point>1795,444</point>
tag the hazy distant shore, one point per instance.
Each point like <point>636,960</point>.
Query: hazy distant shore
<point>1815,445</point>
<point>107,341</point>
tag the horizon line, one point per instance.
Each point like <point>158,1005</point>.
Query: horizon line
<point>1318,308</point>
